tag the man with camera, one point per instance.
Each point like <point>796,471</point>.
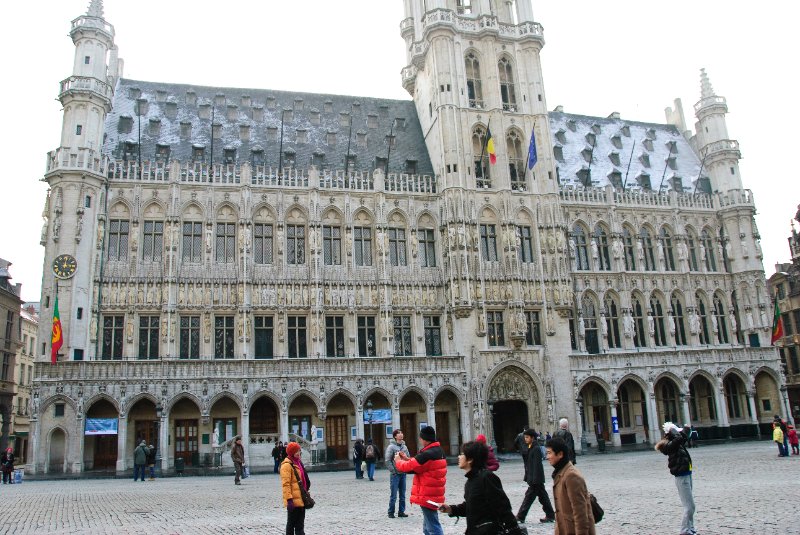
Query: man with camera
<point>680,465</point>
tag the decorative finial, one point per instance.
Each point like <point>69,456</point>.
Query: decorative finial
<point>95,9</point>
<point>705,85</point>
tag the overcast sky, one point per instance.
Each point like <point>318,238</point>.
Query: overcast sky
<point>628,56</point>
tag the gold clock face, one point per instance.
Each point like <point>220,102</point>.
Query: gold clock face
<point>64,266</point>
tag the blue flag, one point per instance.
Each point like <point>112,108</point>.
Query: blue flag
<point>532,158</point>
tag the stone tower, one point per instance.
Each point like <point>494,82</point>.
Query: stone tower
<point>74,220</point>
<point>475,67</point>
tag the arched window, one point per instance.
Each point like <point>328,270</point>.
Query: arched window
<point>721,323</point>
<point>669,399</point>
<point>474,88</point>
<point>630,249</point>
<point>581,252</point>
<point>589,311</point>
<point>702,312</point>
<point>507,91</point>
<point>657,313</point>
<point>482,177</point>
<point>734,394</point>
<point>707,251</point>
<point>647,248</point>
<point>665,246</point>
<point>601,243</point>
<point>679,319</point>
<point>612,323</point>
<point>691,245</point>
<point>639,332</point>
<point>516,163</point>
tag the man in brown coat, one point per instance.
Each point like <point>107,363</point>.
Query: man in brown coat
<point>237,456</point>
<point>571,497</point>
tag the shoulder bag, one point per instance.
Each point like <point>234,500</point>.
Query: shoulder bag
<point>308,501</point>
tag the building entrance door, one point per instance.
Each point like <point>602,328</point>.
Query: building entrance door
<point>105,452</point>
<point>146,430</point>
<point>443,431</point>
<point>186,444</point>
<point>408,424</point>
<point>337,436</point>
<point>509,417</point>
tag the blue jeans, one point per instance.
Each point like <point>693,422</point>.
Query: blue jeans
<point>359,471</point>
<point>685,487</point>
<point>138,469</point>
<point>277,466</point>
<point>398,486</point>
<point>152,471</point>
<point>370,470</point>
<point>430,522</point>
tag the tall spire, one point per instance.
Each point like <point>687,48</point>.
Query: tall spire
<point>95,9</point>
<point>705,85</point>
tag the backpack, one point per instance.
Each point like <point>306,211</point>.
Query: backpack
<point>597,511</point>
<point>370,452</point>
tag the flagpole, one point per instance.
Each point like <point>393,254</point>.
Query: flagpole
<point>664,174</point>
<point>628,170</point>
<point>702,164</point>
<point>280,150</point>
<point>483,149</point>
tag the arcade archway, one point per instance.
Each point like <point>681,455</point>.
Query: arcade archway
<point>514,405</point>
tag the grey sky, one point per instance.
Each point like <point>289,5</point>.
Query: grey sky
<point>625,56</point>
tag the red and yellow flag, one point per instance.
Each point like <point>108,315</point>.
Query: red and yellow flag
<point>777,324</point>
<point>57,338</point>
<point>490,147</point>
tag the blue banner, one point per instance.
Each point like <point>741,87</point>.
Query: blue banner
<point>379,416</point>
<point>101,426</point>
<point>615,424</point>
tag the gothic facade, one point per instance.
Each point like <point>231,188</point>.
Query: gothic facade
<point>313,267</point>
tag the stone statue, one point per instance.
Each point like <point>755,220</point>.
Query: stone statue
<point>745,251</point>
<point>714,323</point>
<point>572,248</point>
<point>617,249</point>
<point>208,240</point>
<point>129,330</point>
<point>640,250</point>
<point>749,318</point>
<point>581,326</point>
<point>764,318</point>
<point>93,329</point>
<point>603,326</point>
<point>215,440</point>
<point>732,320</point>
<point>595,254</point>
<point>449,324</point>
<point>481,322</point>
<point>414,245</point>
<point>694,322</point>
<point>703,256</point>
<point>671,320</point>
<point>451,238</point>
<point>628,325</point>
<point>651,324</point>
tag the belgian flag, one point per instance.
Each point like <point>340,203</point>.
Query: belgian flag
<point>490,147</point>
<point>57,337</point>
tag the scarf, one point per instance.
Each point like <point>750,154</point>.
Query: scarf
<point>560,464</point>
<point>301,471</point>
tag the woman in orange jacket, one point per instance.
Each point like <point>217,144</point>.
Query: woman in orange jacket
<point>293,474</point>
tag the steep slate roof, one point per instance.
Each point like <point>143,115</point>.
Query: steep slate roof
<point>171,104</point>
<point>613,140</point>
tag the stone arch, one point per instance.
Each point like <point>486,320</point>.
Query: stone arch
<point>56,457</point>
<point>397,218</point>
<point>346,393</point>
<point>255,396</point>
<point>363,217</point>
<point>735,385</point>
<point>183,395</point>
<point>599,381</point>
<point>379,390</point>
<point>154,209</point>
<point>98,397</point>
<point>227,212</point>
<point>332,215</point>
<point>56,398</point>
<point>525,216</point>
<point>673,377</point>
<point>738,372</point>
<point>596,394</point>
<point>426,220</point>
<point>668,400</point>
<point>304,392</point>
<point>237,399</point>
<point>488,214</point>
<point>767,394</point>
<point>447,409</point>
<point>296,215</point>
<point>192,211</point>
<point>703,408</point>
<point>459,395</point>
<point>120,208</point>
<point>515,397</point>
<point>128,404</point>
<point>263,212</point>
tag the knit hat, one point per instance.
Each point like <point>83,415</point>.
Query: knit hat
<point>428,433</point>
<point>292,448</point>
<point>481,438</point>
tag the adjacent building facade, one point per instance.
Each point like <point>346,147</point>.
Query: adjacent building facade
<point>320,268</point>
<point>10,343</point>
<point>23,374</point>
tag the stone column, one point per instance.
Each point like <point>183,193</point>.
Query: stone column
<point>722,409</point>
<point>34,447</point>
<point>244,431</point>
<point>432,417</point>
<point>80,438</point>
<point>284,425</point>
<point>360,422</point>
<point>787,407</point>
<point>652,414</point>
<point>396,415</point>
<point>616,440</point>
<point>122,439</point>
<point>163,442</point>
<point>579,437</point>
<point>751,401</point>
<point>687,415</point>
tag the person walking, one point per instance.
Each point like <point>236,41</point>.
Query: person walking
<point>486,506</point>
<point>430,475</point>
<point>785,431</point>
<point>371,457</point>
<point>492,463</point>
<point>139,460</point>
<point>293,474</point>
<point>534,477</point>
<point>7,465</point>
<point>564,434</point>
<point>358,457</point>
<point>793,441</point>
<point>151,461</point>
<point>519,442</point>
<point>777,437</point>
<point>277,456</point>
<point>573,505</point>
<point>680,465</point>
<point>397,480</point>
<point>237,456</point>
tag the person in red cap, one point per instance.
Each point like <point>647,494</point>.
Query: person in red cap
<point>293,474</point>
<point>430,474</point>
<point>491,462</point>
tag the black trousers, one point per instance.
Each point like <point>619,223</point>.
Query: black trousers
<point>295,521</point>
<point>534,491</point>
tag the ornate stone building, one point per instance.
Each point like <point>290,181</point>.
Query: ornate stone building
<point>316,267</point>
<point>10,342</point>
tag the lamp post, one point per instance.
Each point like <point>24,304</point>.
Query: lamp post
<point>159,414</point>
<point>369,417</point>
<point>579,402</point>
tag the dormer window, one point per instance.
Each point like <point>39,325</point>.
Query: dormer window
<point>383,110</point>
<point>584,177</point>
<point>558,153</point>
<point>313,116</point>
<point>318,159</point>
<point>271,103</point>
<point>162,152</point>
<point>244,132</point>
<point>626,131</point>
<point>258,113</point>
<point>380,163</point>
<point>616,140</point>
<point>361,139</point>
<point>219,99</point>
<point>171,110</point>
<point>615,179</point>
<point>644,181</point>
<point>302,135</point>
<point>232,109</point>
<point>257,158</point>
<point>644,158</point>
<point>587,154</point>
<point>129,151</point>
<point>561,136</point>
<point>161,96</point>
<point>134,93</point>
<point>596,128</point>
<point>672,147</point>
<point>191,98</point>
<point>125,124</point>
<point>142,106</point>
<point>229,156</point>
<point>372,121</point>
<point>648,144</point>
<point>245,101</point>
<point>400,123</point>
<point>298,104</point>
<point>186,129</point>
<point>327,106</point>
<point>350,162</point>
<point>288,115</point>
<point>672,163</point>
<point>198,154</point>
<point>272,133</point>
<point>344,119</point>
<point>411,167</point>
<point>677,183</point>
<point>216,130</point>
<point>651,133</point>
<point>391,141</point>
<point>155,127</point>
<point>356,107</point>
<point>204,111</point>
<point>591,139</point>
<point>330,138</point>
<point>572,125</point>
<point>288,158</point>
<point>614,157</point>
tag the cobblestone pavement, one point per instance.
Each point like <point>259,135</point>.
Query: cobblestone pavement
<point>739,488</point>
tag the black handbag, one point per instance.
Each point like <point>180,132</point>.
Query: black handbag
<point>308,501</point>
<point>496,528</point>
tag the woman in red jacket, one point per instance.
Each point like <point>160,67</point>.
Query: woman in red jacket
<point>430,473</point>
<point>492,463</point>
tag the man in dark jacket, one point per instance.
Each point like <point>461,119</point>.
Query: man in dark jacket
<point>139,460</point>
<point>564,434</point>
<point>277,456</point>
<point>430,473</point>
<point>237,456</point>
<point>151,462</point>
<point>534,477</point>
<point>358,457</point>
<point>680,465</point>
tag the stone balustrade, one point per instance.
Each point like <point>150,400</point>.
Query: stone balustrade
<point>75,159</point>
<point>483,23</point>
<point>642,198</point>
<point>86,22</point>
<point>85,83</point>
<point>253,371</point>
<point>709,101</point>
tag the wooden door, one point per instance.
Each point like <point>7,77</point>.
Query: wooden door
<point>146,430</point>
<point>408,424</point>
<point>186,443</point>
<point>105,452</point>
<point>443,431</point>
<point>337,436</point>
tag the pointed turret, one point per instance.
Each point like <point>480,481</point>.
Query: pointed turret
<point>706,90</point>
<point>95,9</point>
